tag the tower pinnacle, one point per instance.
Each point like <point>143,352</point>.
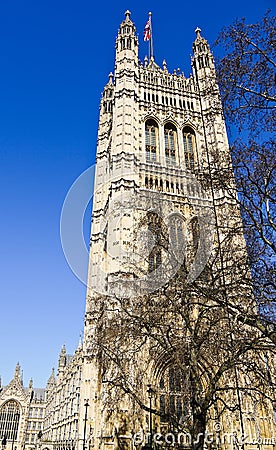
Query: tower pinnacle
<point>127,14</point>
<point>198,31</point>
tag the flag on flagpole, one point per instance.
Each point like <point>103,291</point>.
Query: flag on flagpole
<point>147,31</point>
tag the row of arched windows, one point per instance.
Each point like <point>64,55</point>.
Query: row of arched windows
<point>125,43</point>
<point>172,151</point>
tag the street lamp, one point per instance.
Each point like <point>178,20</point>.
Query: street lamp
<point>86,405</point>
<point>4,442</point>
<point>150,394</point>
<point>38,442</point>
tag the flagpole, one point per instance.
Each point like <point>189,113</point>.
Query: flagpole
<point>150,41</point>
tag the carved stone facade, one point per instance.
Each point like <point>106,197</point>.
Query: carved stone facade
<point>22,412</point>
<point>161,141</point>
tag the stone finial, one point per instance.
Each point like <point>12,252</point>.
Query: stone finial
<point>146,61</point>
<point>198,31</point>
<point>127,14</point>
<point>51,380</point>
<point>110,78</point>
<point>63,350</point>
<point>62,358</point>
<point>165,65</point>
<point>31,383</point>
<point>79,344</point>
<point>17,374</point>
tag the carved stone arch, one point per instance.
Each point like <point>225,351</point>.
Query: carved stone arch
<point>172,384</point>
<point>163,360</point>
<point>189,124</point>
<point>152,116</point>
<point>177,214</point>
<point>170,119</point>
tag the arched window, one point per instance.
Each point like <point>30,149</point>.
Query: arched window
<point>173,404</point>
<point>151,139</point>
<point>195,234</point>
<point>177,232</point>
<point>189,144</point>
<point>177,237</point>
<point>154,260</point>
<point>156,238</point>
<point>170,143</point>
<point>9,420</point>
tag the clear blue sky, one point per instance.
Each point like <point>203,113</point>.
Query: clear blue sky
<point>55,57</point>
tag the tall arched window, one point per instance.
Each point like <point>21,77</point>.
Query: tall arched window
<point>155,260</point>
<point>177,236</point>
<point>156,240</point>
<point>189,144</point>
<point>195,234</point>
<point>178,240</point>
<point>170,143</point>
<point>174,404</point>
<point>9,420</point>
<point>151,139</point>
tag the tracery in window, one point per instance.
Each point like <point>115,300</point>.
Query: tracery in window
<point>156,241</point>
<point>173,404</point>
<point>170,135</point>
<point>189,144</point>
<point>155,260</point>
<point>9,420</point>
<point>151,140</point>
<point>195,234</point>
<point>177,237</point>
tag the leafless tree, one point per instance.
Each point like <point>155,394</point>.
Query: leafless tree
<point>247,78</point>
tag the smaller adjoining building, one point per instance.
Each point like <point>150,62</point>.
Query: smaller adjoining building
<point>43,418</point>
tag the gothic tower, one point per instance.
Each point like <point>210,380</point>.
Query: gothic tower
<point>159,216</point>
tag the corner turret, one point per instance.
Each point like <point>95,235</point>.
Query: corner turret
<point>203,60</point>
<point>17,374</point>
<point>62,360</point>
<point>126,44</point>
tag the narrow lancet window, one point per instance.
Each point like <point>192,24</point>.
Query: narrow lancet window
<point>151,140</point>
<point>170,143</point>
<point>189,144</point>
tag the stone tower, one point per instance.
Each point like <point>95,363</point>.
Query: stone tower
<point>158,212</point>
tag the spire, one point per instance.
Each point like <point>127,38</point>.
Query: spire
<point>127,15</point>
<point>79,344</point>
<point>52,379</point>
<point>62,359</point>
<point>17,373</point>
<point>198,31</point>
<point>203,58</point>
<point>110,78</point>
<point>127,42</point>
